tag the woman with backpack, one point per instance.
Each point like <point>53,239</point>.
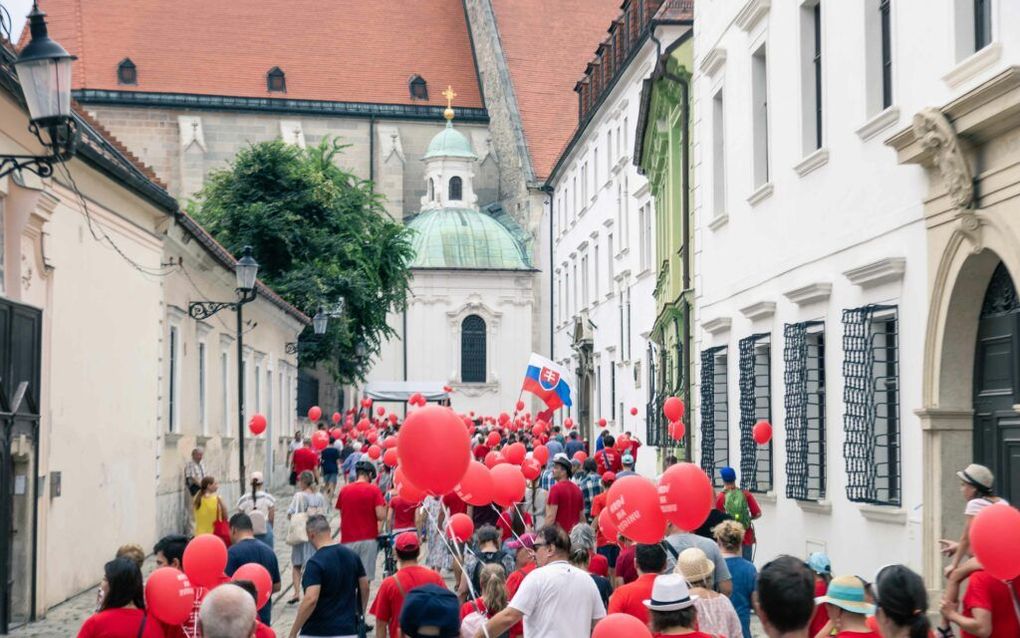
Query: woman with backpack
<point>488,550</point>
<point>260,506</point>
<point>741,506</point>
<point>306,502</point>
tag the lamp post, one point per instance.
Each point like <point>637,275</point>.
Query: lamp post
<point>246,272</point>
<point>44,72</point>
<point>319,323</point>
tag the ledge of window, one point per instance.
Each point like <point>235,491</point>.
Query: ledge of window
<point>644,273</point>
<point>202,439</point>
<point>816,159</point>
<point>878,123</point>
<point>816,507</point>
<point>760,194</point>
<point>769,498</point>
<point>616,168</point>
<point>584,209</point>
<point>720,220</point>
<point>971,66</point>
<point>227,440</point>
<point>884,514</point>
<point>172,437</point>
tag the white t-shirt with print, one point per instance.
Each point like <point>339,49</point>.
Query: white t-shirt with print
<point>558,601</point>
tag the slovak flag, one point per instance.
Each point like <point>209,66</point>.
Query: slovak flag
<point>548,381</point>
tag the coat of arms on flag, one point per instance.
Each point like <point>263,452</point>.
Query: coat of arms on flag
<point>547,380</point>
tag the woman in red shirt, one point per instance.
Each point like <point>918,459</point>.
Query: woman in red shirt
<point>122,614</point>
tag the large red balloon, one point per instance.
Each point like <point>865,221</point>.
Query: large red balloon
<point>390,457</point>
<point>169,595</point>
<point>686,495</point>
<point>374,452</point>
<point>476,486</point>
<point>995,540</point>
<point>619,624</point>
<point>673,409</point>
<point>320,439</point>
<point>406,489</point>
<point>515,453</point>
<point>541,454</point>
<point>257,424</point>
<point>762,432</point>
<point>608,526</point>
<point>508,484</point>
<point>204,560</point>
<point>531,469</point>
<point>434,449</point>
<point>260,576</point>
<point>460,527</point>
<point>314,413</point>
<point>633,502</point>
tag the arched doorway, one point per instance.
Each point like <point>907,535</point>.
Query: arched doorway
<point>997,384</point>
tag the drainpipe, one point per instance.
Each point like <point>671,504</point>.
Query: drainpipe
<point>371,152</point>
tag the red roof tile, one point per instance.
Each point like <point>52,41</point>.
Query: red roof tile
<point>546,44</point>
<point>353,51</point>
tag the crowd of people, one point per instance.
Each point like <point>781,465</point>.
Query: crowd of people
<point>543,567</point>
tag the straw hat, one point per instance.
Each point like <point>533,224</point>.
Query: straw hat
<point>694,565</point>
<point>978,476</point>
<point>847,592</point>
<point>669,593</point>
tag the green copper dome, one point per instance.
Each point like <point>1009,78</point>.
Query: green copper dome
<point>450,143</point>
<point>464,238</point>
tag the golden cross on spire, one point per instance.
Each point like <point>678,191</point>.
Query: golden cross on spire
<point>449,95</point>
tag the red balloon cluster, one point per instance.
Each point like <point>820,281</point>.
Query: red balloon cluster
<point>417,399</point>
<point>257,424</point>
<point>314,413</point>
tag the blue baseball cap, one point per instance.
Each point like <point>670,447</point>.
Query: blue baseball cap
<point>430,606</point>
<point>819,563</point>
<point>728,475</point>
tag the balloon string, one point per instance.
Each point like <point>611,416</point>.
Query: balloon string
<point>456,556</point>
<point>497,510</point>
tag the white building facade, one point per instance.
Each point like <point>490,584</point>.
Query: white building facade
<point>603,245</point>
<point>812,265</point>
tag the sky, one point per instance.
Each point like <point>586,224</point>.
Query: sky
<point>18,10</point>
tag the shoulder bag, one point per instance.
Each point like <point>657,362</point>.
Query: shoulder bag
<point>221,528</point>
<point>296,532</point>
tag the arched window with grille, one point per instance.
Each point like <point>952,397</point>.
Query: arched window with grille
<point>456,189</point>
<point>472,349</point>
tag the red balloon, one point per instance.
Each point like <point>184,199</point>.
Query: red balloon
<point>531,469</point>
<point>677,429</point>
<point>633,411</point>
<point>686,495</point>
<point>568,423</point>
<point>541,454</point>
<point>515,453</point>
<point>608,526</point>
<point>390,457</point>
<point>336,417</point>
<point>633,502</point>
<point>619,624</point>
<point>373,436</point>
<point>493,439</point>
<point>204,560</point>
<point>762,432</point>
<point>406,489</point>
<point>447,389</point>
<point>320,439</point>
<point>508,484</point>
<point>673,409</point>
<point>434,449</point>
<point>476,486</point>
<point>581,456</point>
<point>169,595</point>
<point>460,527</point>
<point>364,425</point>
<point>504,418</point>
<point>602,422</point>
<point>380,410</point>
<point>374,452</point>
<point>520,406</point>
<point>416,399</point>
<point>390,442</point>
<point>336,433</point>
<point>257,424</point>
<point>366,403</point>
<point>493,458</point>
<point>995,539</point>
<point>260,576</point>
<point>314,413</point>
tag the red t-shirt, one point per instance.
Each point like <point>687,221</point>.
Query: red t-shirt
<point>356,504</point>
<point>389,599</point>
<point>569,502</point>
<point>305,459</point>
<point>629,599</point>
<point>120,623</point>
<point>506,519</point>
<point>471,607</point>
<point>820,617</point>
<point>480,451</point>
<point>263,631</point>
<point>608,460</point>
<point>625,567</point>
<point>597,505</point>
<point>454,504</point>
<point>984,591</point>
<point>633,448</point>
<point>513,583</point>
<point>693,634</point>
<point>403,512</point>
<point>752,505</point>
<point>598,565</point>
<point>858,634</point>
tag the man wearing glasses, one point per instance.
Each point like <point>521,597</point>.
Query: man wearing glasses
<point>556,600</point>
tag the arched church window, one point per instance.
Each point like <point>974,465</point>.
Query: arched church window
<point>432,190</point>
<point>472,349</point>
<point>456,189</point>
<point>276,81</point>
<point>418,87</point>
<point>127,72</point>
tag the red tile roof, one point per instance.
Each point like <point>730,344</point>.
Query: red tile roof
<point>343,51</point>
<point>546,44</point>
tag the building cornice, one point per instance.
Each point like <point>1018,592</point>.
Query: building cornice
<point>712,62</point>
<point>877,272</point>
<point>717,326</point>
<point>810,293</point>
<point>759,310</point>
<point>753,12</point>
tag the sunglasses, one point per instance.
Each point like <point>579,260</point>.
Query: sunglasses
<point>537,546</point>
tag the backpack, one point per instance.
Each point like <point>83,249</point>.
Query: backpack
<point>736,506</point>
<point>486,558</point>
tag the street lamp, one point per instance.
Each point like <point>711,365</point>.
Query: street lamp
<point>44,72</point>
<point>246,270</point>
<point>319,323</point>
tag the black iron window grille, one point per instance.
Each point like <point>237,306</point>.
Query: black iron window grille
<point>804,355</point>
<point>472,349</point>
<point>715,444</point>
<point>276,81</point>
<point>755,405</point>
<point>127,72</point>
<point>886,22</point>
<point>871,419</point>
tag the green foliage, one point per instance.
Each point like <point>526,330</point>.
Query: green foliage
<point>320,235</point>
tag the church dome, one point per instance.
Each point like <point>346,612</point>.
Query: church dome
<point>464,238</point>
<point>450,143</point>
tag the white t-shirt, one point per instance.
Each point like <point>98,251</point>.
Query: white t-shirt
<point>975,505</point>
<point>558,601</point>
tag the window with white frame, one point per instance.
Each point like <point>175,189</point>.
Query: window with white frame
<point>584,184</point>
<point>573,190</point>
<point>585,299</point>
<point>173,380</point>
<point>258,388</point>
<point>224,392</point>
<point>625,228</point>
<point>269,399</point>
<point>760,116</point>
<point>610,266</point>
<point>878,55</point>
<point>595,170</point>
<point>718,154</point>
<point>609,151</point>
<point>811,75</point>
<point>595,266</point>
<point>202,407</point>
<point>973,26</point>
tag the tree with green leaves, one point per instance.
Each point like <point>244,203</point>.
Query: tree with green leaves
<point>321,237</point>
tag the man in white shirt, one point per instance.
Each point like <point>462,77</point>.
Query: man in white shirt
<point>557,600</point>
